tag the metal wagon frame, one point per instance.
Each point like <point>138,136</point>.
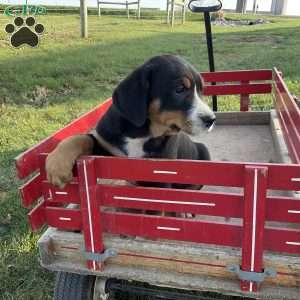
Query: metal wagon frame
<point>265,260</point>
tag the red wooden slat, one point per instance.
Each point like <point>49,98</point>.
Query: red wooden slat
<point>283,209</point>
<point>282,177</point>
<point>91,218</point>
<point>31,191</point>
<point>292,108</point>
<point>70,194</point>
<point>253,223</point>
<point>237,89</point>
<point>172,228</point>
<point>171,200</point>
<point>292,135</point>
<point>237,75</point>
<point>282,240</point>
<point>289,115</point>
<point>37,216</point>
<point>27,162</point>
<point>63,218</point>
<point>291,148</point>
<point>179,171</point>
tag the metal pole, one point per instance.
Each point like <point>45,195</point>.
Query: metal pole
<point>83,19</point>
<point>210,53</point>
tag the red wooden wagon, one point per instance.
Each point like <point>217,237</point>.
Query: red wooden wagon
<point>245,238</point>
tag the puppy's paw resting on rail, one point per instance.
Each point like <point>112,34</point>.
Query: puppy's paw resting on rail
<point>60,161</point>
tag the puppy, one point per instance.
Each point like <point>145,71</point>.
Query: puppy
<point>153,111</point>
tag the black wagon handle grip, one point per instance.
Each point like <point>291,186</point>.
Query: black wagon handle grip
<point>203,6</point>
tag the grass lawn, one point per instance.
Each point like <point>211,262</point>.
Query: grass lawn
<point>43,89</point>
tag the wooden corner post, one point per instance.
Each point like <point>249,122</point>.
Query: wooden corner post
<point>99,8</point>
<point>245,99</point>
<point>253,223</point>
<point>91,218</point>
<point>127,8</point>
<point>83,19</point>
<point>139,9</point>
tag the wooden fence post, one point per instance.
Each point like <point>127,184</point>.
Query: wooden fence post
<point>172,12</point>
<point>168,12</point>
<point>127,7</point>
<point>83,18</point>
<point>99,9</point>
<point>139,9</point>
<point>183,12</point>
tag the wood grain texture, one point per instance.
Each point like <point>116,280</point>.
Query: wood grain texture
<point>163,256</point>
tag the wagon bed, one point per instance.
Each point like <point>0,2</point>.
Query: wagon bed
<point>245,238</point>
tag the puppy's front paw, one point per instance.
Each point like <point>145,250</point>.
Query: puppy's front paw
<point>59,169</point>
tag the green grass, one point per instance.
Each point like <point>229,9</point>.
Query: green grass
<point>43,89</point>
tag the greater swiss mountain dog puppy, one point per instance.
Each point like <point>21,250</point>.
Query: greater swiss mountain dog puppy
<point>153,112</point>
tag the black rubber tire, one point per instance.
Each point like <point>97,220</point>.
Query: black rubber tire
<point>70,286</point>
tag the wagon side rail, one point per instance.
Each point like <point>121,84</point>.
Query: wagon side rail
<point>289,116</point>
<point>28,162</point>
<point>243,83</point>
<point>253,206</point>
<point>238,82</point>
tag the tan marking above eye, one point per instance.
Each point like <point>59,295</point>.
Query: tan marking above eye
<point>187,82</point>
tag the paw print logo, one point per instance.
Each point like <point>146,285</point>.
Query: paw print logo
<point>24,33</point>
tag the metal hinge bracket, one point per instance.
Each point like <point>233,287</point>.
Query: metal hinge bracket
<point>251,276</point>
<point>100,257</point>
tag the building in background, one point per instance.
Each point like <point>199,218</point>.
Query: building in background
<point>275,7</point>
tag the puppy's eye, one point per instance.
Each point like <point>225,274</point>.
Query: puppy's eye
<point>180,89</point>
<point>175,127</point>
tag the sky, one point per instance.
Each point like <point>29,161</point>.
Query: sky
<point>293,6</point>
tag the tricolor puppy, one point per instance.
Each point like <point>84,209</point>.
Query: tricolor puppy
<point>154,111</point>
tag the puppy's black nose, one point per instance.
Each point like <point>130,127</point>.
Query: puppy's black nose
<point>208,121</point>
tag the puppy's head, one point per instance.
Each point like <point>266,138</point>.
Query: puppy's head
<point>166,90</point>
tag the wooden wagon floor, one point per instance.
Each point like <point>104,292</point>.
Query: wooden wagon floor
<point>239,143</point>
<point>245,143</point>
<point>246,137</point>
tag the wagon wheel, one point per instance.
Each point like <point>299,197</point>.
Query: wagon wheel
<point>78,287</point>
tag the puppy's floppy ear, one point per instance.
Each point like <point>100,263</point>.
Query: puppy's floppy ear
<point>201,80</point>
<point>132,95</point>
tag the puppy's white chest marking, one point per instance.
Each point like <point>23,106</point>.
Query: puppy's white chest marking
<point>135,147</point>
